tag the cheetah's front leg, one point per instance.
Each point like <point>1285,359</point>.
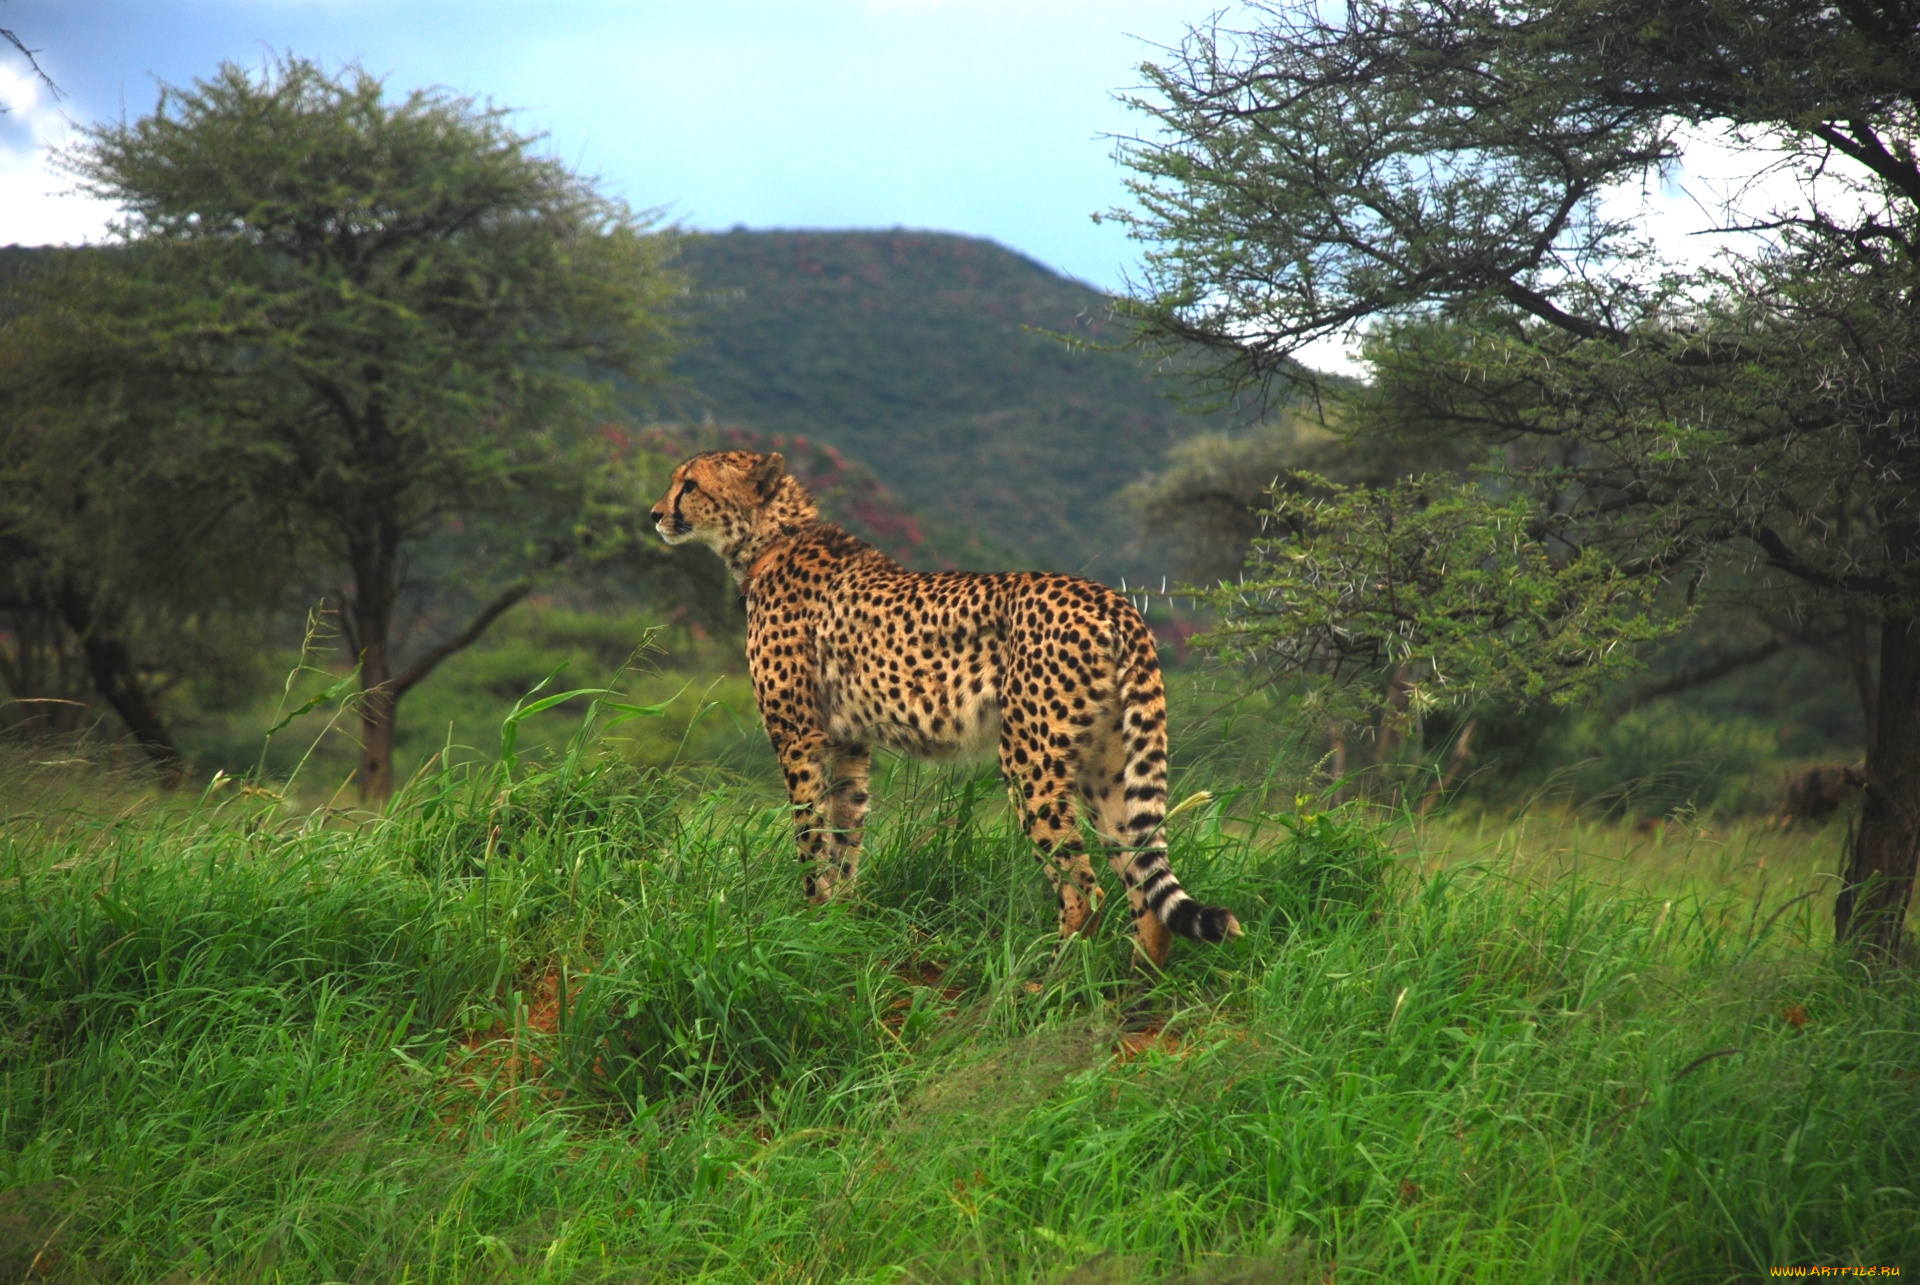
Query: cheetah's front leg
<point>804,763</point>
<point>827,786</point>
<point>847,770</point>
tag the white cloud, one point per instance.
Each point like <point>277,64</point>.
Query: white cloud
<point>38,205</point>
<point>1721,183</point>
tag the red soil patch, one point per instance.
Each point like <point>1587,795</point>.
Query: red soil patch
<point>1132,1044</point>
<point>921,976</point>
<point>928,974</point>
<point>499,1056</point>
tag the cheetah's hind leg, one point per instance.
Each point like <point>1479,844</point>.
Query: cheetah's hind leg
<point>1045,808</point>
<point>1102,789</point>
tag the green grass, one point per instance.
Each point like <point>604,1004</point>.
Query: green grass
<point>580,1026</point>
<point>1730,862</point>
<point>710,721</point>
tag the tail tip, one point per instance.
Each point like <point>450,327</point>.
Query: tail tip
<point>1210,924</point>
<point>1218,924</point>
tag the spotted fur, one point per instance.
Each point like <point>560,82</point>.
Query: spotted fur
<point>849,651</point>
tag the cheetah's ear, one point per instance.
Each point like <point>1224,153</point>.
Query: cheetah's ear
<point>766,475</point>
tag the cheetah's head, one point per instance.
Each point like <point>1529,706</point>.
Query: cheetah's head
<point>730,501</point>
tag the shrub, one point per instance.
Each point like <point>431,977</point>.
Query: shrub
<point>1653,762</point>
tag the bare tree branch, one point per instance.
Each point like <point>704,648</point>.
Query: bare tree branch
<point>20,47</point>
<point>499,606</point>
<point>1700,675</point>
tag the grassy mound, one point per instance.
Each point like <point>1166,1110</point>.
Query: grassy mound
<point>581,1027</point>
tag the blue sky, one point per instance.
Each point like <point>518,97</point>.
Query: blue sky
<point>984,117</point>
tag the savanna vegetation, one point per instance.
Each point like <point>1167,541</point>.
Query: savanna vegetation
<point>1644,429</point>
<point>1538,792</point>
<point>561,1019</point>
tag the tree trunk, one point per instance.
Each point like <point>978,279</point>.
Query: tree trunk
<point>369,621</point>
<point>370,627</point>
<point>1871,909</point>
<point>378,706</point>
<point>1861,670</point>
<point>110,665</point>
<point>114,678</point>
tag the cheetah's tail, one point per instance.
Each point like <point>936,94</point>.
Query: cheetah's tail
<point>1143,725</point>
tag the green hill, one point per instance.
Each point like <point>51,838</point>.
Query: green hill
<point>926,356</point>
<point>931,359</point>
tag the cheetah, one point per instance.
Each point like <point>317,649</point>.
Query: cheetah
<point>849,651</point>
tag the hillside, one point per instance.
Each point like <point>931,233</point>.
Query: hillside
<point>922,355</point>
<point>931,360</point>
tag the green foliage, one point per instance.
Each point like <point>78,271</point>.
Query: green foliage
<point>102,482</point>
<point>1460,595</point>
<point>1676,759</point>
<point>606,794</point>
<point>1656,763</point>
<point>312,264</point>
<point>707,718</point>
<point>1440,176</point>
<point>1204,506</point>
<point>131,560</point>
<point>391,322</point>
<point>718,1003</point>
<point>1333,862</point>
<point>1726,746</point>
<point>414,261</point>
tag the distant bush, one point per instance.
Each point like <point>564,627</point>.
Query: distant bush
<point>1653,762</point>
<point>710,716</point>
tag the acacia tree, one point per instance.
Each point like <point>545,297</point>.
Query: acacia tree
<point>130,557</point>
<point>402,316</point>
<point>70,582</point>
<point>1439,174</point>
